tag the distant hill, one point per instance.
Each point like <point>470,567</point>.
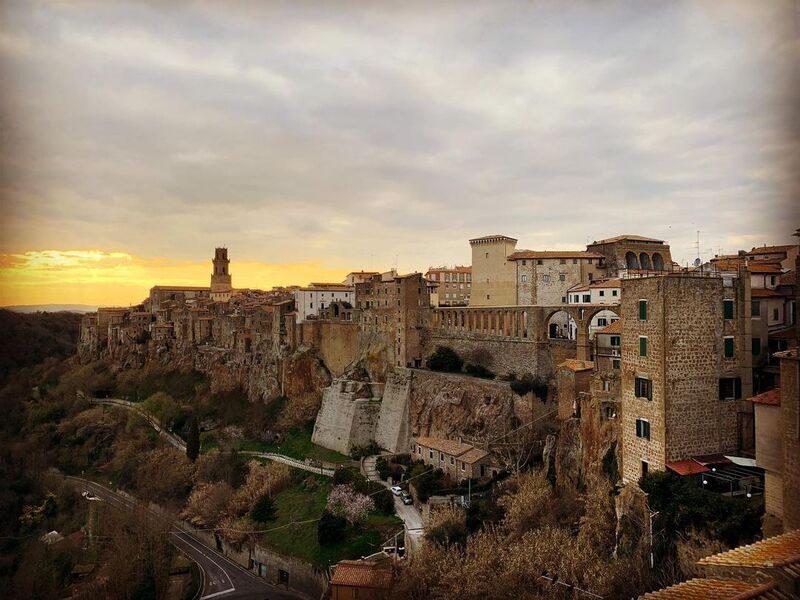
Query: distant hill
<point>29,339</point>
<point>51,308</point>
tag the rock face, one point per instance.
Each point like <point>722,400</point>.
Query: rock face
<point>414,403</point>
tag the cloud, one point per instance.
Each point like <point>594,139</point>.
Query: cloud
<point>361,135</point>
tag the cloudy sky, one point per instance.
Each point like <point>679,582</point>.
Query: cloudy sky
<point>316,138</point>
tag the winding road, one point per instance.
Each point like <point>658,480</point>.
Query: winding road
<point>222,578</point>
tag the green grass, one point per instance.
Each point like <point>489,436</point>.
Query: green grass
<point>297,444</point>
<point>301,504</point>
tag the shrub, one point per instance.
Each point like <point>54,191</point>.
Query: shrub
<point>444,359</point>
<point>330,529</point>
<point>529,383</point>
<point>264,510</point>
<point>478,371</point>
<point>383,468</point>
<point>371,449</point>
<point>345,501</point>
<point>342,476</point>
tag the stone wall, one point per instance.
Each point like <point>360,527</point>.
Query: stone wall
<point>337,342</point>
<point>348,416</point>
<point>392,431</point>
<point>790,408</point>
<point>505,356</point>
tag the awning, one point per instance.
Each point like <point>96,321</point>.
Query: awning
<point>708,460</point>
<point>687,467</point>
<point>742,461</point>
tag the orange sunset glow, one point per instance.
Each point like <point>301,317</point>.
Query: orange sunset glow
<point>98,277</point>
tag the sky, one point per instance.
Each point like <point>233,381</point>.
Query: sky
<point>316,138</point>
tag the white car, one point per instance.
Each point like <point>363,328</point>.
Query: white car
<point>397,490</point>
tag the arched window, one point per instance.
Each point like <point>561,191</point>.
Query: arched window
<point>631,261</point>
<point>644,261</point>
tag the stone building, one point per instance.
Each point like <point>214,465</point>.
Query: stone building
<point>220,276</point>
<point>686,368</point>
<point>395,308</point>
<point>543,277</point>
<point>453,285</point>
<point>313,298</point>
<point>457,459</point>
<point>632,255</point>
<point>180,293</point>
<point>494,275</point>
<point>608,347</point>
<point>370,578</point>
<point>355,277</point>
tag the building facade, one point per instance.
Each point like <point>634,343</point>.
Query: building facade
<point>457,459</point>
<point>494,275</point>
<point>686,368</point>
<point>313,298</point>
<point>543,277</point>
<point>631,255</point>
<point>220,276</point>
<point>453,285</point>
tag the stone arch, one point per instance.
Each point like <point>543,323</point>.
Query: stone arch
<point>631,261</point>
<point>644,261</point>
<point>658,261</point>
<point>600,318</point>
<point>561,326</point>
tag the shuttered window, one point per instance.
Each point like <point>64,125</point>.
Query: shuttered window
<point>728,347</point>
<point>756,346</point>
<point>727,309</point>
<point>642,429</point>
<point>643,310</point>
<point>643,388</point>
<point>642,345</point>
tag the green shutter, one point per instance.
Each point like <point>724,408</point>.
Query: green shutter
<point>642,346</point>
<point>728,309</point>
<point>756,346</point>
<point>755,308</point>
<point>728,347</point>
<point>643,310</point>
<point>638,428</point>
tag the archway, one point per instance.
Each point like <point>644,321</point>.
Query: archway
<point>644,261</point>
<point>561,326</point>
<point>631,261</point>
<point>600,320</point>
<point>658,261</point>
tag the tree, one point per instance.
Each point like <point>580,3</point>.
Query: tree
<point>193,441</point>
<point>264,510</point>
<point>444,359</point>
<point>163,407</point>
<point>330,529</point>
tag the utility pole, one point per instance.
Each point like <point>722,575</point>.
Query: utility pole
<point>652,515</point>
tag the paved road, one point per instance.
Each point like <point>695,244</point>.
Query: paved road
<point>408,512</point>
<point>222,578</point>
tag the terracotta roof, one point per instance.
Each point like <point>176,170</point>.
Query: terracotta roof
<point>686,467</point>
<point>771,249</point>
<point>785,334</point>
<point>764,293</point>
<point>363,273</point>
<point>181,288</point>
<point>452,448</point>
<point>606,283</point>
<point>356,573</point>
<point>714,589</point>
<point>519,254</point>
<point>766,267</point>
<point>777,551</point>
<point>632,238</point>
<point>615,328</point>
<point>727,264</point>
<point>577,365</point>
<point>771,397</point>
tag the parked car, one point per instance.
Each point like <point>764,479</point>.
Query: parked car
<point>406,497</point>
<point>397,490</point>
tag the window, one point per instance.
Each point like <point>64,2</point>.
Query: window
<point>602,293</point>
<point>574,261</point>
<point>430,453</point>
<point>606,385</point>
<point>441,456</point>
<point>727,309</point>
<point>645,468</point>
<point>772,280</point>
<point>419,450</point>
<point>546,278</point>
<point>591,261</point>
<point>310,305</point>
<point>587,298</point>
<point>755,308</point>
<point>775,313</point>
<point>562,277</point>
<point>524,278</point>
<point>730,388</point>
<point>487,255</point>
<point>616,363</point>
<point>602,322</point>
<point>615,340</point>
<point>452,460</point>
<point>728,342</point>
<point>524,263</point>
<point>563,299</point>
<point>463,466</point>
<point>756,346</point>
<point>539,261</point>
<point>643,388</point>
<point>614,292</point>
<point>563,261</point>
<point>642,345</point>
<point>643,310</point>
<point>643,428</point>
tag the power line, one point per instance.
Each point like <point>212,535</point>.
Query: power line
<point>556,581</point>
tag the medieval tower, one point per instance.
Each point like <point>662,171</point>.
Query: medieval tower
<point>221,276</point>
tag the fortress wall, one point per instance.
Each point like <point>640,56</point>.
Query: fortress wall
<point>346,420</point>
<point>392,428</point>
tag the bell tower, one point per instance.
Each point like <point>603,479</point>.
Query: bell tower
<point>221,276</point>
